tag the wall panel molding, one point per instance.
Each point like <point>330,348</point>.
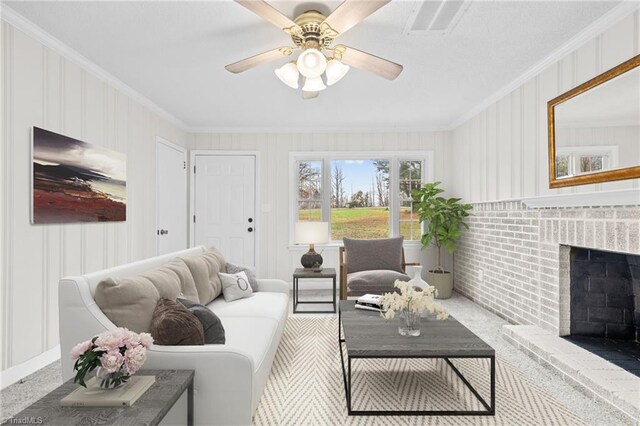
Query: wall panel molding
<point>57,94</point>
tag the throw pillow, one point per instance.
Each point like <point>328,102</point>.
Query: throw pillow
<point>128,302</point>
<point>250,271</point>
<point>211,324</point>
<point>173,324</point>
<point>205,268</point>
<point>367,255</point>
<point>166,282</point>
<point>187,284</point>
<point>235,286</point>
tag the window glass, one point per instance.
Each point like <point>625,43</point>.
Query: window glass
<point>309,202</point>
<point>359,199</point>
<point>562,165</point>
<point>410,178</point>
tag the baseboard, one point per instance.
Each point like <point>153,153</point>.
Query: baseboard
<point>20,371</point>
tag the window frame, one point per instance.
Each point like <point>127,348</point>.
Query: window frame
<point>608,152</point>
<point>394,191</point>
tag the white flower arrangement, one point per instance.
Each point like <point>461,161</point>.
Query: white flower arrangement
<point>413,300</point>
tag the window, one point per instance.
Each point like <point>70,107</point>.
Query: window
<point>574,161</point>
<point>361,197</point>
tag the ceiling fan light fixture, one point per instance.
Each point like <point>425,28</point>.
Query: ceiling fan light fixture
<point>335,71</point>
<point>311,63</point>
<point>288,74</point>
<point>314,84</point>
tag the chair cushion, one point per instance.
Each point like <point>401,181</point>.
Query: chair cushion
<point>375,282</point>
<point>262,304</point>
<point>367,255</point>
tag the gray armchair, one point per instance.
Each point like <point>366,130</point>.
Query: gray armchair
<point>371,266</point>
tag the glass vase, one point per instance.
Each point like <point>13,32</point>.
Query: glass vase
<point>106,380</point>
<point>409,323</point>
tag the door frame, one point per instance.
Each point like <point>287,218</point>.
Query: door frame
<point>162,141</point>
<point>257,206</point>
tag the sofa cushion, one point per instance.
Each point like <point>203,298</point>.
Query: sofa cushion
<point>173,324</point>
<point>187,284</point>
<point>205,268</point>
<point>261,305</point>
<point>250,271</point>
<point>166,281</point>
<point>252,336</point>
<point>213,329</point>
<point>366,255</point>
<point>128,302</point>
<point>235,286</point>
<point>374,282</point>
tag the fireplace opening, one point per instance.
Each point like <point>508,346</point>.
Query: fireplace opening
<point>605,305</point>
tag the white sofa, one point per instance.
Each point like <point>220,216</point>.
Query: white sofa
<point>229,378</point>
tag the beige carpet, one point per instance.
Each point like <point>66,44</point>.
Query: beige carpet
<point>306,387</point>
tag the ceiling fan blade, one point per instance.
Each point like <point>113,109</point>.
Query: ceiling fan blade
<point>367,62</point>
<point>259,59</point>
<point>269,13</point>
<point>309,95</point>
<point>349,14</point>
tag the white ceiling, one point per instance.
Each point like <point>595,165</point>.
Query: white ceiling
<point>174,54</point>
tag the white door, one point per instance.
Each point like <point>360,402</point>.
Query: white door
<point>172,222</point>
<point>224,215</point>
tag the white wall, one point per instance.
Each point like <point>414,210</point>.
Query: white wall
<point>275,259</point>
<point>501,153</point>
<point>41,88</point>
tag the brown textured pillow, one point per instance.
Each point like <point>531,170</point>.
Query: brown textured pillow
<point>173,324</point>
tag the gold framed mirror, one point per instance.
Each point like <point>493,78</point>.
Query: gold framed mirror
<point>594,129</point>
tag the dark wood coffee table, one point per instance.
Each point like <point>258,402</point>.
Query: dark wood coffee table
<point>367,335</point>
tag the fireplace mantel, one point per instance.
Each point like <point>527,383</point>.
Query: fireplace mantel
<point>621,197</point>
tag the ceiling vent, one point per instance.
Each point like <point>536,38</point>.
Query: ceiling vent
<point>437,17</point>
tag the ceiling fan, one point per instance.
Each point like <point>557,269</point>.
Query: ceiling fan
<point>313,33</point>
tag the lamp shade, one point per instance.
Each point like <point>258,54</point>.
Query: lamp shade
<point>335,71</point>
<point>288,74</point>
<point>311,232</point>
<point>311,63</point>
<point>313,85</point>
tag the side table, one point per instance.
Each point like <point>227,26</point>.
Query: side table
<point>324,273</point>
<point>150,409</point>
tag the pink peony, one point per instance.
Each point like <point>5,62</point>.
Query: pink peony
<point>111,340</point>
<point>79,349</point>
<point>146,340</point>
<point>134,358</point>
<point>112,361</point>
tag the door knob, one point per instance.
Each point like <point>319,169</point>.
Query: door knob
<point>163,232</point>
<point>250,229</point>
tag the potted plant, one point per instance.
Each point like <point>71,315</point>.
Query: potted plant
<point>444,218</point>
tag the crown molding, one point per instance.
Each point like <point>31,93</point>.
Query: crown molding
<point>21,23</point>
<point>286,130</point>
<point>605,22</point>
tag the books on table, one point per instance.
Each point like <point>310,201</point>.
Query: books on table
<point>93,396</point>
<point>369,302</point>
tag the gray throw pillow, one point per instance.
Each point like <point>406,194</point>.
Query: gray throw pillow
<point>367,255</point>
<point>235,286</point>
<point>213,329</point>
<point>250,271</point>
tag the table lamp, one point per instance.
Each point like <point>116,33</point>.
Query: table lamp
<point>311,233</point>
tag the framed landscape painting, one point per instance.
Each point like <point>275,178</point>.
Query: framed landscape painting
<point>75,181</point>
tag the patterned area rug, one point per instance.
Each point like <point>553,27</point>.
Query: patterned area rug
<point>306,387</point>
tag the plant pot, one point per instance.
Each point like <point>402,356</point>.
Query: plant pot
<point>442,281</point>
